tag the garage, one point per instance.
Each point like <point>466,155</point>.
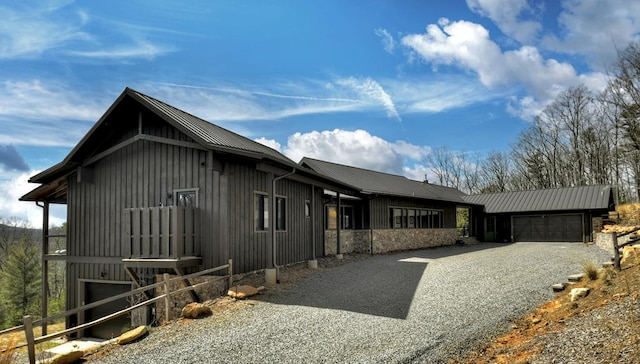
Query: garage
<point>565,228</point>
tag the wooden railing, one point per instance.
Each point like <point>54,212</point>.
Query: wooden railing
<point>161,232</point>
<point>29,323</point>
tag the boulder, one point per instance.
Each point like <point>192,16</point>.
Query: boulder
<point>67,358</point>
<point>132,335</point>
<point>196,310</point>
<point>577,293</point>
<point>630,253</point>
<point>241,292</point>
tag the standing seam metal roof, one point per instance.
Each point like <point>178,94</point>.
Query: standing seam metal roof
<point>372,182</point>
<point>557,199</point>
<point>211,135</point>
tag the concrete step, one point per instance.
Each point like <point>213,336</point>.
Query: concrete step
<point>559,287</point>
<point>576,277</point>
<point>607,264</point>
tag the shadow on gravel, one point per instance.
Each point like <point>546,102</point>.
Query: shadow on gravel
<point>383,285</point>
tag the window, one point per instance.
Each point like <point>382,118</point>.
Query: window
<point>281,214</point>
<point>346,217</point>
<point>186,197</point>
<point>416,218</point>
<point>307,209</point>
<point>261,213</point>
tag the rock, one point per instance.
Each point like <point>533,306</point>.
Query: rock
<point>196,310</point>
<point>241,292</point>
<point>132,335</point>
<point>67,358</point>
<point>630,253</point>
<point>578,293</point>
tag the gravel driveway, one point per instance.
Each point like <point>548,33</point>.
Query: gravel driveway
<point>418,306</point>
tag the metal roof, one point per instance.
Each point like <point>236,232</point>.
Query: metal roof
<point>557,199</point>
<point>372,182</point>
<point>206,133</point>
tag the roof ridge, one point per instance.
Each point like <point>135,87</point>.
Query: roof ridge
<point>540,189</point>
<point>358,168</point>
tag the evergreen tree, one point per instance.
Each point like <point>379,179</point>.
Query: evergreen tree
<point>20,283</point>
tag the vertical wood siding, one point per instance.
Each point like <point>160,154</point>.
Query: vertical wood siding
<point>142,174</point>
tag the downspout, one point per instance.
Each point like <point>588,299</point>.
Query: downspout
<point>313,221</point>
<point>273,224</point>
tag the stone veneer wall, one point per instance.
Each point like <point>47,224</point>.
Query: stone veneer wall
<point>352,241</point>
<point>388,240</point>
<point>217,288</point>
<point>406,239</point>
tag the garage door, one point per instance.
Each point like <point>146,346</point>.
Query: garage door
<point>548,228</point>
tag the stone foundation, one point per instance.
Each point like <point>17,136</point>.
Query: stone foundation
<point>385,241</point>
<point>217,288</point>
<point>352,241</point>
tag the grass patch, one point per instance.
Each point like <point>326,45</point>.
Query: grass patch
<point>591,270</point>
<point>7,352</point>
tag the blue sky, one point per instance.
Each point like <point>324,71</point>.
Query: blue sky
<point>375,84</point>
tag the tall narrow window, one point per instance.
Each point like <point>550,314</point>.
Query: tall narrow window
<point>347,217</point>
<point>281,213</point>
<point>412,218</point>
<point>261,212</point>
<point>307,209</point>
<point>332,217</point>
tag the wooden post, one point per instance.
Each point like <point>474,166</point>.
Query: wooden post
<point>167,299</point>
<point>230,270</point>
<point>45,264</point>
<point>28,334</point>
<point>616,251</point>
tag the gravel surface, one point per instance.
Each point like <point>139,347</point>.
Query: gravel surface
<point>418,306</point>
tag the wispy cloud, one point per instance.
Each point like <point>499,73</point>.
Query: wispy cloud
<point>388,42</point>
<point>62,29</point>
<point>371,90</point>
<point>33,112</point>
<point>30,33</point>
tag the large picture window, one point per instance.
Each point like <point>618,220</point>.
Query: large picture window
<point>404,218</point>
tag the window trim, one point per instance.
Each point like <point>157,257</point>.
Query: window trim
<point>264,227</point>
<point>178,191</point>
<point>403,219</point>
<point>277,213</point>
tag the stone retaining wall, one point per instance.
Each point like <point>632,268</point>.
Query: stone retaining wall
<point>217,288</point>
<point>406,239</point>
<point>604,241</point>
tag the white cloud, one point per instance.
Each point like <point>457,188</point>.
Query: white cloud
<point>356,148</point>
<point>596,28</point>
<point>509,16</point>
<point>14,187</point>
<point>387,40</point>
<point>270,143</point>
<point>468,45</point>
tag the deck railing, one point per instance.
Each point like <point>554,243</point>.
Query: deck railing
<point>161,232</point>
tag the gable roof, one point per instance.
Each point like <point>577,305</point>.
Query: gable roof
<point>557,199</point>
<point>371,182</point>
<point>208,135</point>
